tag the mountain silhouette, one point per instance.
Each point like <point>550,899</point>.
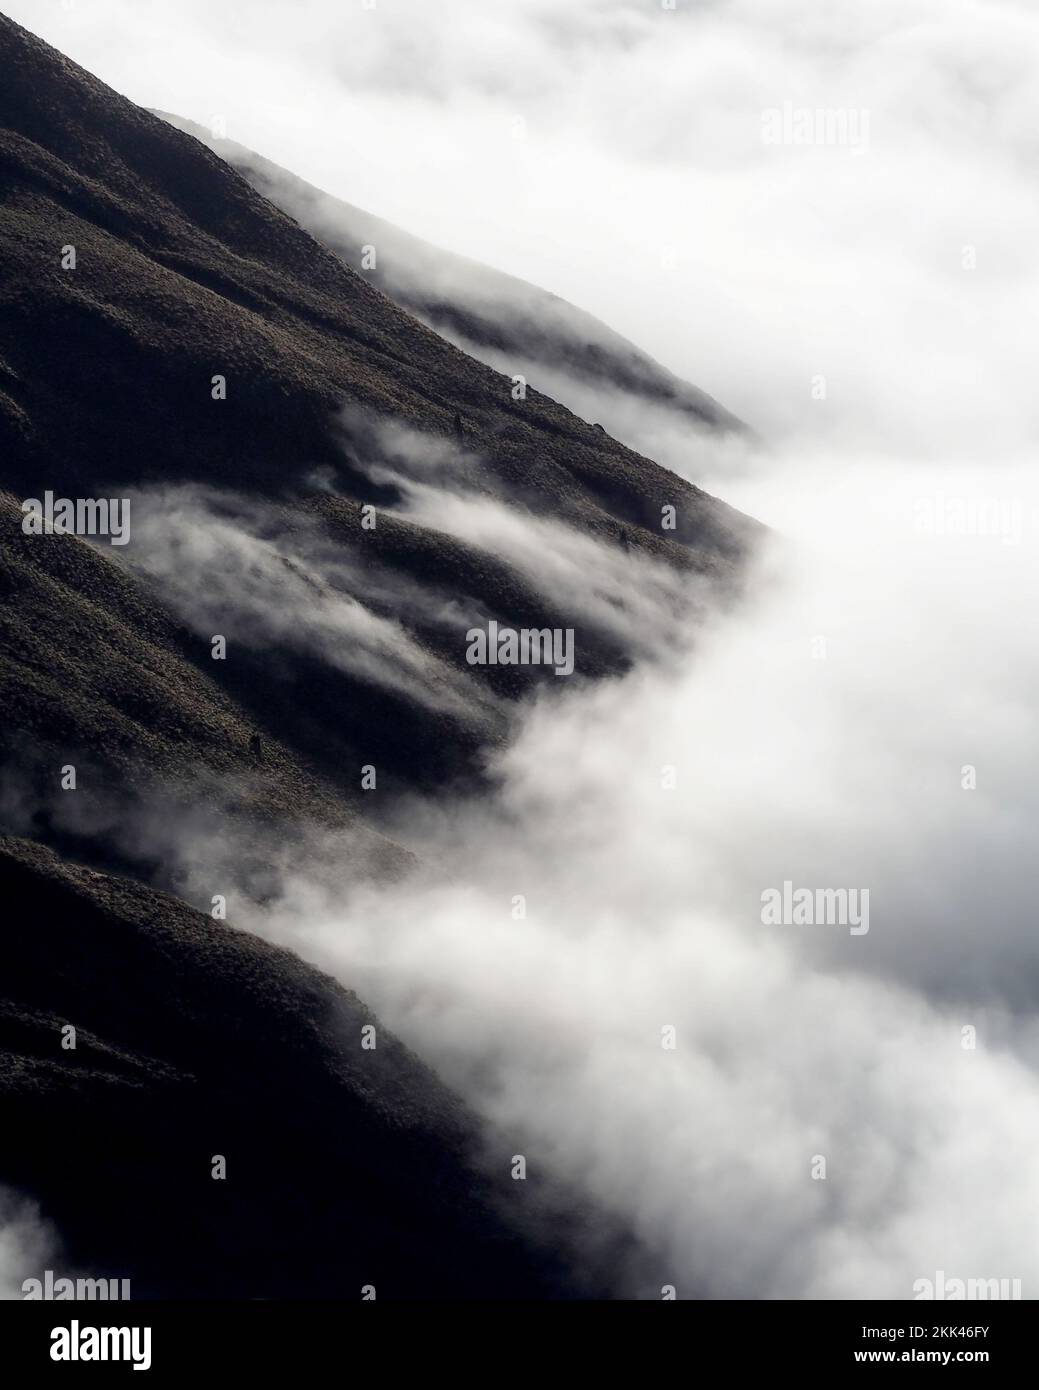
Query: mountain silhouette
<point>496,317</point>
<point>170,336</point>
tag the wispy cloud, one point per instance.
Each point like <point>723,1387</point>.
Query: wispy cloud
<point>230,567</point>
<point>613,153</point>
<point>27,1243</point>
<point>612,889</point>
<point>866,722</point>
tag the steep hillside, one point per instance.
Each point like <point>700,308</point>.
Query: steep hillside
<point>493,316</point>
<point>184,273</point>
<point>345,1165</point>
<point>172,341</point>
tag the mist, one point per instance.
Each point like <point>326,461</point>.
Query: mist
<point>613,152</point>
<point>227,565</point>
<point>27,1243</point>
<point>863,721</point>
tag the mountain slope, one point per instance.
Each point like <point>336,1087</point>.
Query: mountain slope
<point>345,1165</point>
<point>227,676</point>
<point>184,273</point>
<point>495,317</point>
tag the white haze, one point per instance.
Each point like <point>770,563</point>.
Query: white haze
<point>27,1244</point>
<point>638,186</point>
<point>644,911</point>
<point>266,590</point>
<point>635,601</point>
<point>642,192</point>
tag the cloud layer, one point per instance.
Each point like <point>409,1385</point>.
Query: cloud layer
<point>27,1243</point>
<point>613,152</point>
<point>866,721</point>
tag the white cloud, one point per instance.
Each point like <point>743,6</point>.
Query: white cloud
<point>643,138</point>
<point>26,1243</point>
<point>641,189</point>
<point>643,910</point>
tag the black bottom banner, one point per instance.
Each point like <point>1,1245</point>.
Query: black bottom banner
<point>496,1341</point>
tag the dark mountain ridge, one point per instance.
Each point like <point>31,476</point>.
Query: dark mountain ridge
<point>138,267</point>
<point>346,1166</point>
<point>492,315</point>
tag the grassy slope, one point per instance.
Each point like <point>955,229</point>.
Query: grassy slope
<point>184,271</point>
<point>345,1166</point>
<point>465,300</point>
<point>197,1040</point>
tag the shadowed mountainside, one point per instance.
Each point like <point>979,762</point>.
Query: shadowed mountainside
<point>138,267</point>
<point>493,316</point>
<point>346,1166</point>
<point>182,273</point>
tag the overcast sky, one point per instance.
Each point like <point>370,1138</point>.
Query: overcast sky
<point>612,151</point>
